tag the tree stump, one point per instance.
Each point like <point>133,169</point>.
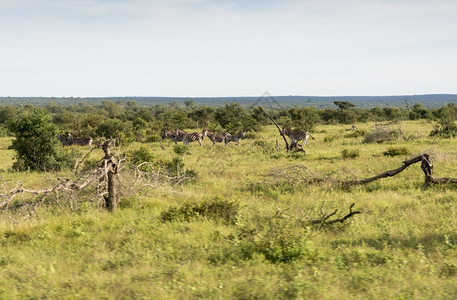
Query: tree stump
<point>110,166</point>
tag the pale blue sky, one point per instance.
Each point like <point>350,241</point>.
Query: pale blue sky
<point>79,48</point>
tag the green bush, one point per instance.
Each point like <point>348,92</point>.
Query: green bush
<point>181,149</point>
<point>36,145</point>
<point>444,129</point>
<point>277,240</point>
<point>396,151</point>
<point>350,153</point>
<point>356,134</point>
<point>216,209</point>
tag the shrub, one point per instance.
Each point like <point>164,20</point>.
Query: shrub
<point>114,128</point>
<point>181,149</point>
<point>329,138</point>
<point>444,129</point>
<point>396,151</point>
<point>350,153</point>
<point>36,145</point>
<point>356,134</point>
<point>278,240</point>
<point>381,134</point>
<point>216,209</point>
<point>141,155</point>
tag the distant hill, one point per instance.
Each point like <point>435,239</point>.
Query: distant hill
<point>429,101</point>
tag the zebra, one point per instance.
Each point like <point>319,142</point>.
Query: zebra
<point>81,141</point>
<point>70,140</point>
<point>234,138</point>
<point>65,139</point>
<point>215,137</point>
<point>295,137</point>
<point>188,138</point>
<point>173,136</point>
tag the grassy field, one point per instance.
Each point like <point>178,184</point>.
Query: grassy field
<point>255,241</point>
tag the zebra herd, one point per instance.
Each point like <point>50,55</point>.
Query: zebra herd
<point>70,140</point>
<point>186,138</point>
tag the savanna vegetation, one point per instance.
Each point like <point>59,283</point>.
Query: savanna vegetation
<point>237,222</point>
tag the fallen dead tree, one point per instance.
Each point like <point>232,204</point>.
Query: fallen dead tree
<point>299,175</point>
<point>104,179</point>
<point>426,166</point>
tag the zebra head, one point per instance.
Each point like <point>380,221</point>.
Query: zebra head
<point>286,131</point>
<point>165,133</point>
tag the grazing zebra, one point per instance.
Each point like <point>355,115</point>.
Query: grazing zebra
<point>215,137</point>
<point>173,136</point>
<point>81,141</point>
<point>297,136</point>
<point>70,140</point>
<point>65,140</point>
<point>234,138</point>
<point>353,128</point>
<point>188,138</point>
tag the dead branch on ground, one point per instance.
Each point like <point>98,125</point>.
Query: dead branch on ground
<point>324,219</point>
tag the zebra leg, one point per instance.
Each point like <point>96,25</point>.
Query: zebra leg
<point>200,142</point>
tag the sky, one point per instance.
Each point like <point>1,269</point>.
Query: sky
<point>227,48</point>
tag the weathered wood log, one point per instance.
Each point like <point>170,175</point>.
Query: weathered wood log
<point>426,166</point>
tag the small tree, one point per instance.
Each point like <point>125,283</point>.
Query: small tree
<point>36,145</point>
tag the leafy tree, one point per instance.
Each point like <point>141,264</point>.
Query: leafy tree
<point>235,118</point>
<point>114,128</point>
<point>36,145</point>
<point>419,112</point>
<point>303,118</point>
<point>343,104</point>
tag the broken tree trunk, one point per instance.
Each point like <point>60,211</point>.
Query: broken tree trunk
<point>111,170</point>
<point>277,126</point>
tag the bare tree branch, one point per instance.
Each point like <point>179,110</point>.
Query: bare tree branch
<point>277,126</point>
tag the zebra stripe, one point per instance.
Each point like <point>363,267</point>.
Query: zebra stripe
<point>82,141</point>
<point>70,140</point>
<point>188,138</point>
<point>297,136</point>
<point>215,137</point>
<point>65,140</point>
<point>234,138</point>
<point>173,136</point>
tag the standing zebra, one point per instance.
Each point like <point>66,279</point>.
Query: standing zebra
<point>215,137</point>
<point>70,140</point>
<point>297,136</point>
<point>173,136</point>
<point>81,141</point>
<point>234,138</point>
<point>188,138</point>
<point>65,139</point>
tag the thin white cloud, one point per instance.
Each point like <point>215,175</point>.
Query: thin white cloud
<point>198,47</point>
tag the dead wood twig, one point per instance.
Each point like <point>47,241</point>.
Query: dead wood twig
<point>324,219</point>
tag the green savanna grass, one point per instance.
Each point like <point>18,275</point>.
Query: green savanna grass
<point>402,246</point>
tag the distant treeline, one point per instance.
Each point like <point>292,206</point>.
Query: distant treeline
<point>129,121</point>
<point>277,102</point>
